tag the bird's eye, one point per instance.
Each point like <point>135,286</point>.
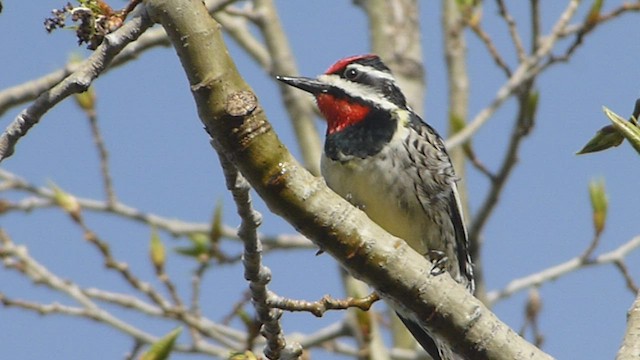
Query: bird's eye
<point>351,74</point>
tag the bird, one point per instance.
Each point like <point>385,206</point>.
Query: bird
<point>384,159</point>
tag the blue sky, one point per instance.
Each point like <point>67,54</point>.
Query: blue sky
<point>162,162</point>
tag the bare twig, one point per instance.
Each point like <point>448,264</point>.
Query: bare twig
<point>535,25</point>
<point>527,69</point>
<point>44,199</point>
<point>257,274</point>
<point>624,270</point>
<point>491,47</point>
<point>586,27</point>
<point>237,27</point>
<point>30,90</point>
<point>122,268</point>
<point>17,258</point>
<point>331,332</point>
<point>196,283</point>
<point>178,311</point>
<point>44,309</point>
<point>613,257</point>
<point>318,308</point>
<point>103,154</point>
<point>135,350</point>
<point>499,180</point>
<point>532,313</point>
<point>77,82</point>
<point>124,300</point>
<point>171,288</point>
<point>592,246</point>
<point>479,165</point>
<point>513,29</point>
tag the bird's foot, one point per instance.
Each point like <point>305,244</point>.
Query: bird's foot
<point>439,260</point>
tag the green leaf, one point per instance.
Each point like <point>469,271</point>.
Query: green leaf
<point>594,14</point>
<point>86,100</point>
<point>66,202</point>
<point>161,349</point>
<point>200,246</point>
<point>605,138</point>
<point>156,250</point>
<point>599,204</point>
<point>216,224</point>
<point>247,355</point>
<point>626,128</point>
<point>456,123</point>
<point>465,3</point>
<point>531,106</point>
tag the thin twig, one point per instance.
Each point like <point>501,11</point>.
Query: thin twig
<point>17,258</point>
<point>520,131</point>
<point>196,283</point>
<point>329,333</point>
<point>150,39</point>
<point>628,279</point>
<point>45,199</point>
<point>104,158</point>
<point>318,308</point>
<point>124,300</point>
<point>77,82</point>
<point>170,286</point>
<point>237,28</point>
<point>513,30</point>
<point>585,28</point>
<point>223,334</point>
<point>257,274</point>
<point>532,314</point>
<point>592,246</point>
<point>491,47</point>
<point>479,165</point>
<point>603,18</point>
<point>613,257</point>
<point>177,311</point>
<point>535,25</point>
<point>524,73</point>
<point>122,268</point>
<point>135,350</point>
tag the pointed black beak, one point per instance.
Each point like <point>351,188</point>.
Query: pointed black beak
<point>307,84</point>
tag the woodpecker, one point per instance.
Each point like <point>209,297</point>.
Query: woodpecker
<point>383,158</point>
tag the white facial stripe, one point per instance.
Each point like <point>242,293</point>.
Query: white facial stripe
<point>357,90</point>
<point>372,72</point>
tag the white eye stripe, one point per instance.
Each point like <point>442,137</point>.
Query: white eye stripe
<point>358,90</point>
<point>372,72</point>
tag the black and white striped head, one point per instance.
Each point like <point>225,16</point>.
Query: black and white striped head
<point>350,89</point>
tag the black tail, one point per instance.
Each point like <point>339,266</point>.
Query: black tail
<point>422,337</point>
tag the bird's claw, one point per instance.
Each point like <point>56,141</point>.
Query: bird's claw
<point>439,260</point>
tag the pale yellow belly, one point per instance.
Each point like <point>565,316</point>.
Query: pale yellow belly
<point>385,199</point>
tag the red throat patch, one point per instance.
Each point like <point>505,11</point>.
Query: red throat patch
<point>340,113</point>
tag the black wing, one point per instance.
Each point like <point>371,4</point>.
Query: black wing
<point>438,157</point>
